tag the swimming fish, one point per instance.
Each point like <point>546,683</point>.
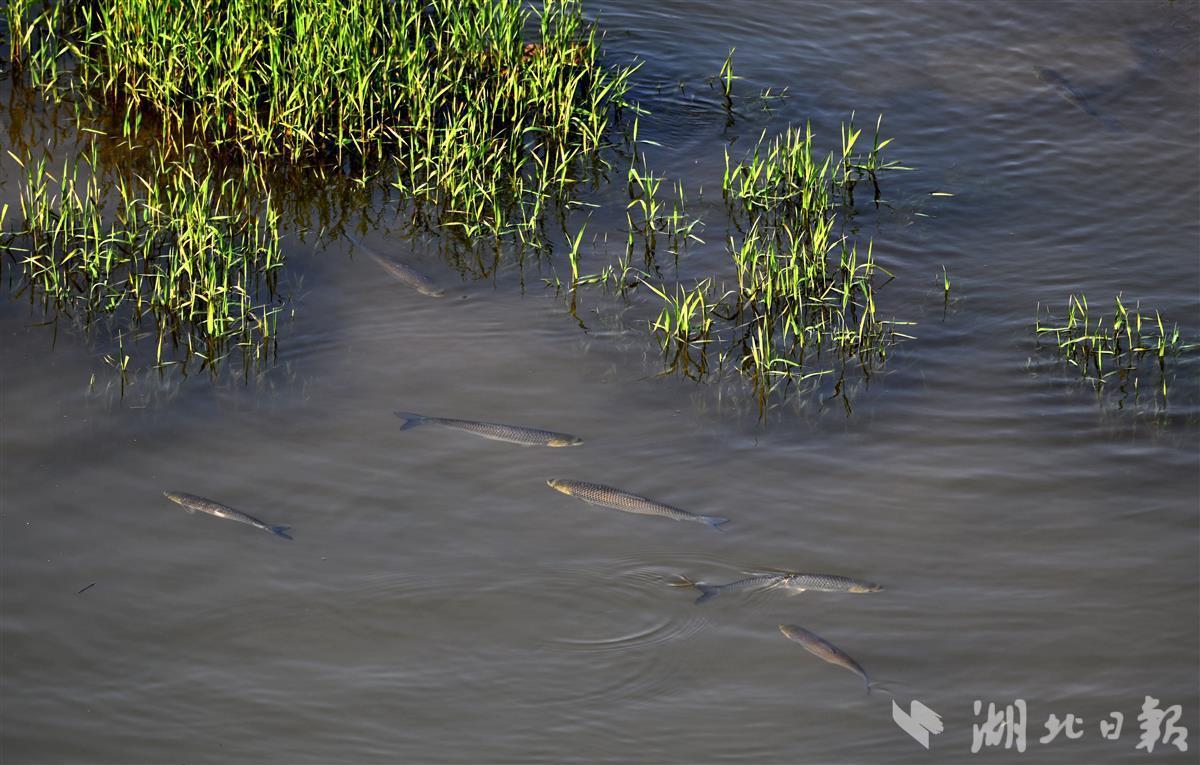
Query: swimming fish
<point>1072,94</point>
<point>796,583</point>
<point>404,274</point>
<point>192,503</point>
<point>606,496</point>
<point>823,649</point>
<point>513,434</point>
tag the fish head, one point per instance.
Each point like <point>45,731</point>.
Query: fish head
<point>565,441</point>
<point>181,499</point>
<point>679,580</point>
<point>791,631</point>
<point>559,484</point>
<point>866,587</point>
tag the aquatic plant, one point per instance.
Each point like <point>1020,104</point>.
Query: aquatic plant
<point>30,37</point>
<point>481,108</point>
<point>786,184</point>
<point>193,255</point>
<point>653,220</point>
<point>804,301</point>
<point>481,116</point>
<point>726,76</point>
<point>1126,346</point>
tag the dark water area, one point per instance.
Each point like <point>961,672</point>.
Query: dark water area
<point>1036,540</point>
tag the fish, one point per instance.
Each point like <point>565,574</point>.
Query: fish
<point>823,649</point>
<point>794,582</point>
<point>192,503</point>
<point>512,434</point>
<point>1068,91</point>
<point>406,275</point>
<point>606,496</point>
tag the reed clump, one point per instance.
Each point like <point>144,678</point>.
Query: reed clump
<point>193,256</point>
<point>482,115</point>
<point>1127,346</point>
<point>802,302</point>
<point>480,107</point>
<point>647,215</point>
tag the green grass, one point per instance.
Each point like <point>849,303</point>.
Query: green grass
<point>802,302</point>
<point>481,115</point>
<point>1127,346</point>
<point>647,213</point>
<point>726,77</point>
<point>481,108</point>
<point>192,256</point>
<point>787,184</point>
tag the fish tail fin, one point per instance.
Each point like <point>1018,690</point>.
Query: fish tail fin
<point>281,531</point>
<point>707,592</point>
<point>882,685</point>
<point>715,521</point>
<point>411,419</point>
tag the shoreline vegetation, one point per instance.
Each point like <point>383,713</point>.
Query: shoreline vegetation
<point>447,104</point>
<point>489,121</point>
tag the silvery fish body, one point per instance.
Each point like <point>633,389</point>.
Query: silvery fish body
<point>512,434</point>
<point>607,496</point>
<point>823,649</point>
<point>193,503</point>
<point>406,275</point>
<point>789,581</point>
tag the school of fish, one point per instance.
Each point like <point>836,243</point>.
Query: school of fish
<point>615,499</point>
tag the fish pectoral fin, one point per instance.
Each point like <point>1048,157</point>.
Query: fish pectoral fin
<point>188,510</point>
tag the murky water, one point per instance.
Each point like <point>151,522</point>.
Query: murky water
<point>441,604</point>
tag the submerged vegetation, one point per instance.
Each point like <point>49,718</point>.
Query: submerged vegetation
<point>1124,348</point>
<point>193,127</point>
<point>482,109</point>
<point>802,301</point>
<point>482,115</point>
<point>194,255</point>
